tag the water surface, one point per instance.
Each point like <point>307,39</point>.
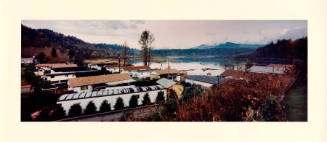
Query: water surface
<point>194,65</point>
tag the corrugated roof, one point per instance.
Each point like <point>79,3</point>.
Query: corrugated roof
<point>129,68</point>
<point>166,82</point>
<point>266,69</point>
<point>101,61</point>
<point>280,65</point>
<point>80,81</point>
<point>167,71</point>
<point>233,73</point>
<point>206,79</point>
<point>112,66</point>
<point>108,92</point>
<point>57,65</point>
<point>72,72</point>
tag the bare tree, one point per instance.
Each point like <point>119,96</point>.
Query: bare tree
<point>146,45</point>
<point>125,53</point>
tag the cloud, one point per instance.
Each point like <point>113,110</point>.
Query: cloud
<point>294,33</point>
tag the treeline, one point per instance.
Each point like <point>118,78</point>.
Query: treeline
<point>284,49</point>
<point>115,48</point>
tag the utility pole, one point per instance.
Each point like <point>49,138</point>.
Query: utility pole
<point>125,53</point>
<point>119,62</point>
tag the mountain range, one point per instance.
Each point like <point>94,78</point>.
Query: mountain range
<point>228,45</point>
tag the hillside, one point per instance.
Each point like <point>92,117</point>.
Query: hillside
<point>282,49</point>
<point>54,46</point>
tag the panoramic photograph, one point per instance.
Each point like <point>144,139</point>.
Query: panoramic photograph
<point>164,70</point>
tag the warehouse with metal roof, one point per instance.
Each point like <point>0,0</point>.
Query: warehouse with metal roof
<point>111,95</point>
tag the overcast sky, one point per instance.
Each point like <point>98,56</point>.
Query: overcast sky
<point>176,34</point>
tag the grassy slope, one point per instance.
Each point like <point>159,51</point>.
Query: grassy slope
<point>297,102</point>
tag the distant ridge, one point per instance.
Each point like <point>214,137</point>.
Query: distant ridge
<point>221,50</point>
<point>228,45</point>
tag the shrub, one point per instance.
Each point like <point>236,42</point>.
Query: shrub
<point>59,113</point>
<point>44,115</point>
<point>160,98</point>
<point>232,102</point>
<point>172,103</point>
<point>271,110</point>
<point>146,99</point>
<point>75,110</point>
<point>119,104</point>
<point>90,108</point>
<point>190,92</point>
<point>105,107</point>
<point>133,102</point>
<point>155,116</point>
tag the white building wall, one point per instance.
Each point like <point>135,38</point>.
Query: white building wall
<point>60,77</point>
<point>78,89</point>
<point>178,78</point>
<point>39,72</point>
<point>94,66</point>
<point>111,100</point>
<point>113,70</point>
<point>139,74</point>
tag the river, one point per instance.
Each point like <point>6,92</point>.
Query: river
<point>193,65</point>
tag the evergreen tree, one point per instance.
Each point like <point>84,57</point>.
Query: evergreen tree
<point>119,104</point>
<point>105,107</point>
<point>90,108</point>
<point>160,98</point>
<point>75,110</point>
<point>41,57</point>
<point>54,52</point>
<point>146,99</point>
<point>133,102</point>
<point>71,53</point>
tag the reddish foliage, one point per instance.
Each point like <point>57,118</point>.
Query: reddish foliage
<point>234,100</point>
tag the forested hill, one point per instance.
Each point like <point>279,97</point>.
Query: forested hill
<point>56,46</point>
<point>283,49</point>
